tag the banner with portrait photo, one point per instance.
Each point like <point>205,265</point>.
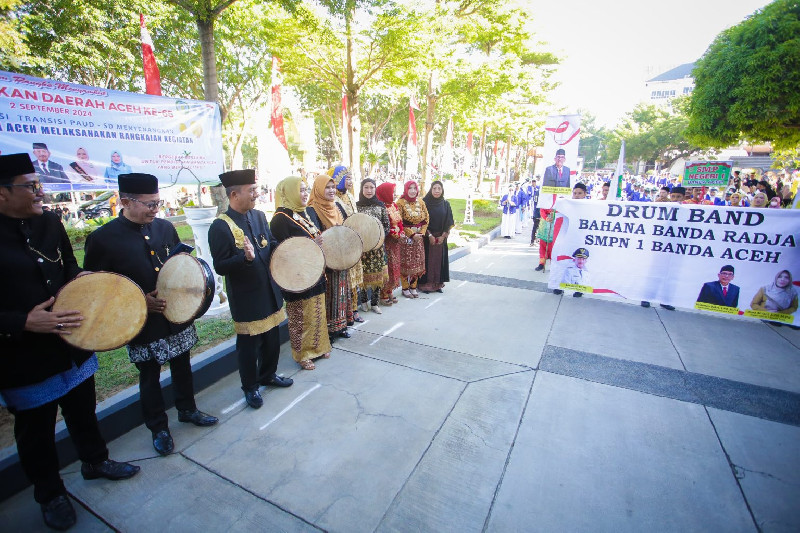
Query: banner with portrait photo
<point>561,132</point>
<point>82,138</point>
<point>731,260</point>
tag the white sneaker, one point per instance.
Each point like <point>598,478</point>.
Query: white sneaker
<point>364,307</point>
<point>414,293</point>
<point>407,293</point>
<point>376,309</point>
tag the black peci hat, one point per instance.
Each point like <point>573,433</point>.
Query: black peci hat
<point>136,183</point>
<point>13,165</point>
<point>238,177</point>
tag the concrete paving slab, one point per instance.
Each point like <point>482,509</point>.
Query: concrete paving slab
<point>448,363</point>
<point>175,494</point>
<point>342,451</point>
<point>592,457</point>
<point>767,463</point>
<point>510,258</point>
<point>497,323</point>
<point>22,513</point>
<point>453,486</point>
<point>619,331</point>
<point>790,334</point>
<point>740,350</point>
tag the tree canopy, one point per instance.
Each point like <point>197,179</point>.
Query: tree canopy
<point>746,82</point>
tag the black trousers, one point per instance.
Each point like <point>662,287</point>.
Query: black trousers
<point>34,430</point>
<point>258,357</point>
<point>151,397</point>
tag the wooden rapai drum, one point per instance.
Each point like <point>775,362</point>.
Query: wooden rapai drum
<point>187,284</point>
<point>113,307</point>
<point>383,235</point>
<point>365,226</point>
<point>342,247</point>
<point>297,264</point>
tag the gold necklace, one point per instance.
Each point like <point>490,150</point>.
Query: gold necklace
<point>58,259</point>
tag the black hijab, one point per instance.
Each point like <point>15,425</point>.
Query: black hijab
<point>439,212</point>
<point>363,201</point>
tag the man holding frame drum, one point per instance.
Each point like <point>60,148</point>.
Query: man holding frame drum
<point>241,244</point>
<point>39,372</point>
<point>137,244</point>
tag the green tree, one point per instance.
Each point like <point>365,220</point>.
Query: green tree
<point>654,135</point>
<point>746,82</point>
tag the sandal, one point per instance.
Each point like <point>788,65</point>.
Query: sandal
<point>357,317</point>
<point>394,299</point>
<point>326,355</point>
<point>387,302</point>
<point>307,364</point>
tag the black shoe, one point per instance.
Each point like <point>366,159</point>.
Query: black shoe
<point>109,469</point>
<point>577,294</point>
<point>58,513</point>
<point>668,307</point>
<point>558,291</point>
<point>197,417</point>
<point>162,442</point>
<point>645,304</point>
<point>440,291</point>
<point>539,268</point>
<point>253,398</point>
<point>278,381</point>
<point>344,334</point>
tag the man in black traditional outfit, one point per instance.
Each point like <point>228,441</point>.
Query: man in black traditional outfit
<point>137,244</point>
<point>39,372</point>
<point>241,245</point>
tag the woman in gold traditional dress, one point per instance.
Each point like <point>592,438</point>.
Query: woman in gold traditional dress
<point>306,310</point>
<point>395,240</point>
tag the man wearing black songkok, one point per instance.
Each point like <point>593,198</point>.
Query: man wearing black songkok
<point>241,245</point>
<point>136,244</point>
<point>39,372</point>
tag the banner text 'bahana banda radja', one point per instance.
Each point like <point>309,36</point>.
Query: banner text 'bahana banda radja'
<point>82,138</point>
<point>737,261</point>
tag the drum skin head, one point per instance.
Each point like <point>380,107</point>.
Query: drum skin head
<point>113,307</point>
<point>367,227</point>
<point>297,264</point>
<point>342,247</point>
<point>183,283</point>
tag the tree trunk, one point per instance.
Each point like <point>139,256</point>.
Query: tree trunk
<point>508,160</point>
<point>210,85</point>
<point>427,140</point>
<point>481,157</point>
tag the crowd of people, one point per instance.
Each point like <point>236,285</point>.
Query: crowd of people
<point>41,372</point>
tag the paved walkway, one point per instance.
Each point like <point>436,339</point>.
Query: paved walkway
<point>496,406</point>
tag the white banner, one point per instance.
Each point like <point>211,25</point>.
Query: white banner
<point>561,132</point>
<point>714,258</point>
<point>82,138</point>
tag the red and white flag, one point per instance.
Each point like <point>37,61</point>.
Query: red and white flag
<point>277,108</point>
<point>414,104</point>
<point>152,77</point>
<point>469,142</point>
<point>412,156</point>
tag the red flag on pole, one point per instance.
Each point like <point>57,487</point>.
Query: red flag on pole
<point>469,142</point>
<point>152,77</point>
<point>414,104</point>
<point>412,127</point>
<point>277,109</point>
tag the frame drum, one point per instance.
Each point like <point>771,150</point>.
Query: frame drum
<point>342,247</point>
<point>113,307</point>
<point>366,227</point>
<point>383,236</point>
<point>187,284</point>
<point>297,264</point>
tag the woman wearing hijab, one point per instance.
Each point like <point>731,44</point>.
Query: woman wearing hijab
<point>338,296</point>
<point>780,296</point>
<point>437,262</point>
<point>344,198</point>
<point>375,271</point>
<point>306,310</point>
<point>509,203</point>
<point>84,170</point>
<point>415,226</point>
<point>393,244</point>
<point>116,168</point>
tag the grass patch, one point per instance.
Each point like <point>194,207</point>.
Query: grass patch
<point>451,246</point>
<point>485,214</point>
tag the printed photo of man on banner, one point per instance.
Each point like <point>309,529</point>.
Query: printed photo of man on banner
<point>561,139</point>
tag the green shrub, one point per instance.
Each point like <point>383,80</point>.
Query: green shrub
<point>99,221</point>
<point>78,235</point>
<point>486,207</point>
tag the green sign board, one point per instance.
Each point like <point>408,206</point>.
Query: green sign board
<point>707,173</point>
